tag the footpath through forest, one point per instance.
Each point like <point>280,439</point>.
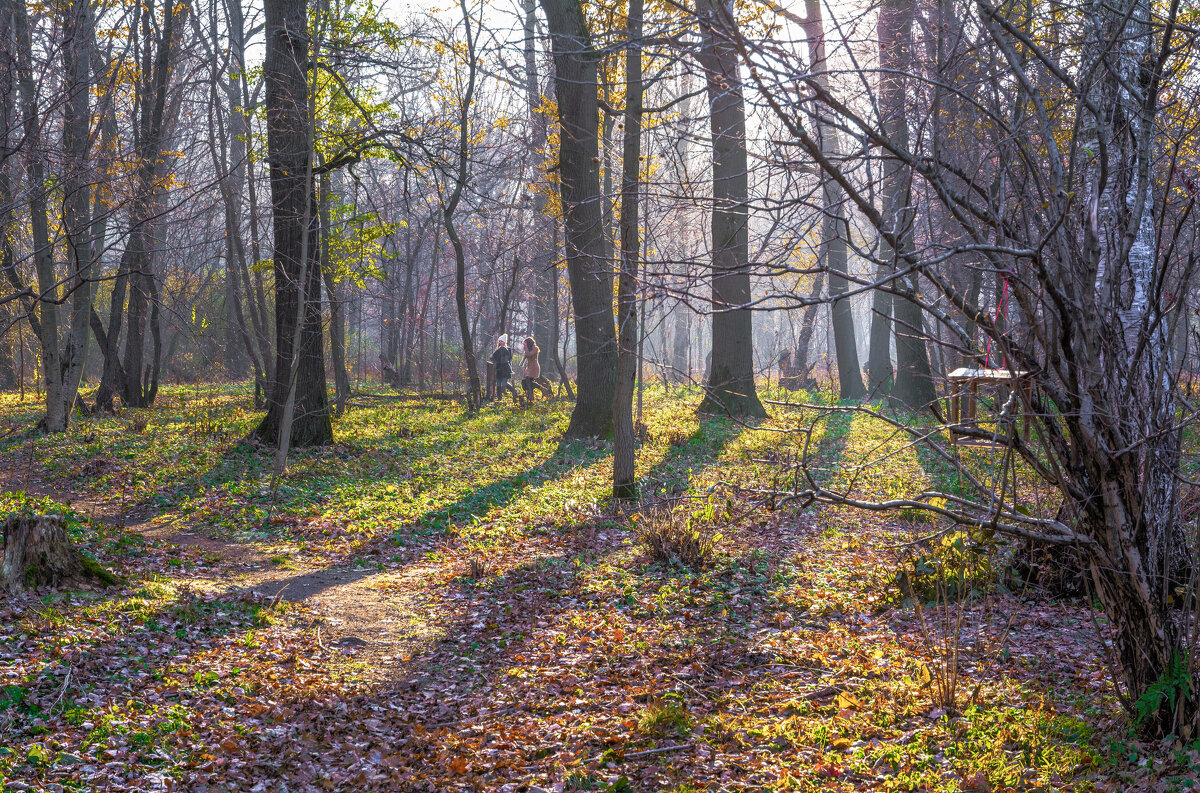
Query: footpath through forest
<point>348,601</point>
<point>450,603</point>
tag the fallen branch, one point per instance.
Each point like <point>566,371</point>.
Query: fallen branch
<point>659,750</point>
<point>456,722</point>
<point>821,693</point>
<point>63,691</point>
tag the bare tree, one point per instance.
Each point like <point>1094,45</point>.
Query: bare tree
<point>461,176</point>
<point>730,384</point>
<point>543,262</point>
<point>835,250</point>
<point>579,183</point>
<point>627,321</point>
<point>1061,206</point>
<point>914,383</point>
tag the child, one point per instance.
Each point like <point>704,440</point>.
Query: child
<point>533,372</point>
<point>502,359</point>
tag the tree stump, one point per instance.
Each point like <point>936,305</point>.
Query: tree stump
<point>38,552</point>
<point>390,375</point>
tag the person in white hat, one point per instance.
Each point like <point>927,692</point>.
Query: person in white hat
<point>502,360</point>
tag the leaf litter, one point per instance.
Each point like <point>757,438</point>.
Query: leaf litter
<point>504,630</point>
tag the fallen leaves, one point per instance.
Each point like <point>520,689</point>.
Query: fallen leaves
<point>568,659</point>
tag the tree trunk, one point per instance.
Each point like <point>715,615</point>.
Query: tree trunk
<point>835,229</point>
<point>241,177</point>
<point>543,263</point>
<point>337,311</point>
<point>391,307</point>
<point>77,220</point>
<point>243,174</point>
<point>47,280</point>
<point>113,377</point>
<point>135,338</point>
<point>879,353</point>
<point>624,458</point>
<point>420,321</point>
<point>299,375</point>
<point>460,183</point>
<point>38,553</point>
<point>682,336</point>
<point>729,387</point>
<point>152,165</point>
<point>408,314</point>
<point>239,343</point>
<point>103,195</point>
<point>140,269</point>
<point>153,369</point>
<point>914,381</point>
<point>8,266</point>
<point>232,343</point>
<point>557,331</point>
<point>8,331</point>
<point>800,376</point>
<point>1141,555</point>
<point>575,62</point>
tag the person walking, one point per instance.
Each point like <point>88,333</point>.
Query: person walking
<point>502,360</point>
<point>533,372</point>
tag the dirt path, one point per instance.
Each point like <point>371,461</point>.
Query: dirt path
<point>379,617</point>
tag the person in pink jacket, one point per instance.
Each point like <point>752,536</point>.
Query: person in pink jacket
<point>533,372</point>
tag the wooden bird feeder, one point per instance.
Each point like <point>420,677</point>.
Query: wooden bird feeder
<point>963,409</point>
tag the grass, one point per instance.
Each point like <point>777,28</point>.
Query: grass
<point>565,654</point>
<point>666,720</point>
<point>418,464</point>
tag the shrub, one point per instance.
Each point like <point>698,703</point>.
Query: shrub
<point>956,565</point>
<point>678,537</point>
<point>678,438</point>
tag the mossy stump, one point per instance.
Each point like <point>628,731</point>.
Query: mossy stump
<point>38,552</point>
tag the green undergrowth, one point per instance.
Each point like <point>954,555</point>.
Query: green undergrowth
<point>569,654</point>
<point>420,467</point>
<point>428,465</point>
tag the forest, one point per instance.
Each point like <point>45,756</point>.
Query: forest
<point>547,395</point>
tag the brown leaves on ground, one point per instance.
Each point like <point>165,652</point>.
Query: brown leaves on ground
<point>539,647</point>
<point>572,663</point>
